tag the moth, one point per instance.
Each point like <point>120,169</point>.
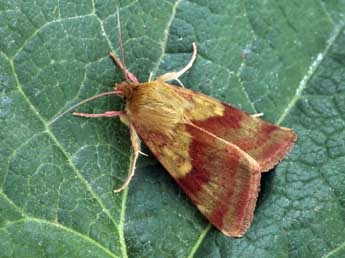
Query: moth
<point>215,152</point>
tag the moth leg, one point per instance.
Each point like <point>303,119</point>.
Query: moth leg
<point>136,150</point>
<point>105,114</point>
<point>257,115</point>
<point>131,76</point>
<point>150,77</point>
<point>178,80</point>
<point>175,75</point>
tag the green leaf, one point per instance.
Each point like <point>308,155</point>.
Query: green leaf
<point>283,58</point>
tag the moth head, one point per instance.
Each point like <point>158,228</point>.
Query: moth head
<point>125,89</point>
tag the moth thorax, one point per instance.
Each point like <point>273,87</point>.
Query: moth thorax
<point>155,106</point>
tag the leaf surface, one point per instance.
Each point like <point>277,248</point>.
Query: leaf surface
<point>56,175</point>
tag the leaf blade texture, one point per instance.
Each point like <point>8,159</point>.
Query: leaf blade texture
<point>56,178</point>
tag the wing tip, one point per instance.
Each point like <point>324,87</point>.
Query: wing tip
<point>283,150</point>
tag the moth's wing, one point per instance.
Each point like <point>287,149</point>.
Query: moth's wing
<point>265,142</point>
<point>221,179</point>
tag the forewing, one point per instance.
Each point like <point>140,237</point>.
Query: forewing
<point>221,179</point>
<point>265,142</point>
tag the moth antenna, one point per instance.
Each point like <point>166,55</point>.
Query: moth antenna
<point>83,102</point>
<point>121,45</point>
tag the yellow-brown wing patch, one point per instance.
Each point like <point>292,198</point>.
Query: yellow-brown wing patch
<point>265,142</point>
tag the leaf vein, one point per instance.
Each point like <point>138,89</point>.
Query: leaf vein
<point>164,42</point>
<point>59,146</point>
<point>324,9</point>
<point>335,250</point>
<point>120,226</point>
<point>64,228</point>
<point>16,207</point>
<point>200,240</point>
<point>310,73</point>
<point>26,42</point>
